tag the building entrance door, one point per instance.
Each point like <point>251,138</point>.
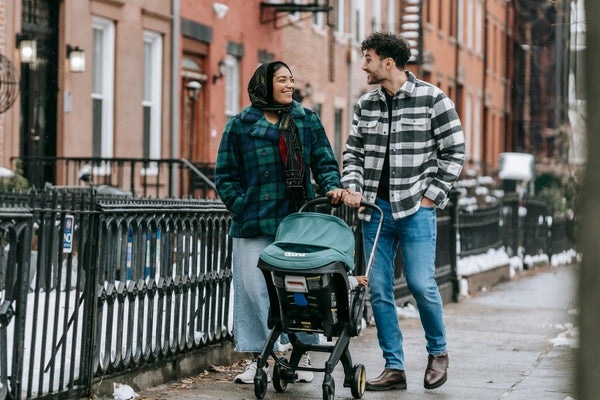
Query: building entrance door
<point>39,90</point>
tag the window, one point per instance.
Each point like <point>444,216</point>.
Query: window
<point>452,13</point>
<point>477,130</point>
<point>339,113</point>
<point>103,57</point>
<point>232,86</point>
<point>391,13</point>
<point>468,127</point>
<point>359,13</point>
<point>441,14</point>
<point>340,19</point>
<point>376,15</point>
<point>470,24</point>
<point>478,28</point>
<point>459,21</point>
<point>316,107</point>
<point>151,102</point>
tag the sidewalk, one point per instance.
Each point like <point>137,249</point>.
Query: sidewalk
<point>500,344</point>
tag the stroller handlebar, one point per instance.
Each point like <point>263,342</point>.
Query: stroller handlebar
<point>326,200</point>
<point>363,203</point>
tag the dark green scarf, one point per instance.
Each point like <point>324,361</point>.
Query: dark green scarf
<point>260,90</point>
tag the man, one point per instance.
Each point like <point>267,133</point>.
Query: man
<point>405,151</point>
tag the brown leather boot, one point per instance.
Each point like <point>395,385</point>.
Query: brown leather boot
<point>436,373</point>
<point>389,379</point>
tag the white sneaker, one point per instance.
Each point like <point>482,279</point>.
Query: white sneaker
<point>248,375</point>
<point>304,376</point>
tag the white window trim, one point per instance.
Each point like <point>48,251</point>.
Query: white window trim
<point>391,16</point>
<point>340,17</point>
<point>376,15</point>
<point>155,40</point>
<point>477,130</point>
<point>359,12</point>
<point>470,24</point>
<point>232,64</point>
<point>460,22</point>
<point>479,27</point>
<point>107,96</point>
<point>468,126</point>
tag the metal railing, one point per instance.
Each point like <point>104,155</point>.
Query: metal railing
<point>140,177</point>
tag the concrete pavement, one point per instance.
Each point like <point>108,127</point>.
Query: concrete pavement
<point>499,342</point>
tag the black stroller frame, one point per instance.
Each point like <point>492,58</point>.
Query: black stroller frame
<point>331,312</point>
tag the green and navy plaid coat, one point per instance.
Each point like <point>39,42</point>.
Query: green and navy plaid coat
<point>249,171</point>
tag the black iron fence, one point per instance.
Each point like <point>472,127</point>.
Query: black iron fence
<point>113,285</point>
<point>138,177</point>
<point>91,287</point>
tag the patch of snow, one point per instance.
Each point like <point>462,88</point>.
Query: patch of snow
<point>6,173</point>
<point>482,262</point>
<point>481,190</point>
<point>568,338</point>
<point>407,312</point>
<point>565,257</point>
<point>466,183</point>
<point>532,260</point>
<point>486,180</point>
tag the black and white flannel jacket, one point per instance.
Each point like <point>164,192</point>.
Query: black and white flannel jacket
<point>427,147</point>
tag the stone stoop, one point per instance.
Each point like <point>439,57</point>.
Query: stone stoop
<point>488,278</point>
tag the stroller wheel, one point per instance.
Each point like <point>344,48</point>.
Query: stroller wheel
<point>328,387</point>
<point>279,382</point>
<point>260,384</point>
<point>359,379</point>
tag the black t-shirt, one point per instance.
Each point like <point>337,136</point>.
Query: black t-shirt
<point>383,190</point>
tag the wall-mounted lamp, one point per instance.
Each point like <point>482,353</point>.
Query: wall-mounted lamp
<point>298,96</point>
<point>28,51</point>
<point>222,70</point>
<point>193,88</point>
<point>76,58</point>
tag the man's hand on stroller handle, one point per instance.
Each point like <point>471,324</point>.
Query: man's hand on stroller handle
<point>350,198</point>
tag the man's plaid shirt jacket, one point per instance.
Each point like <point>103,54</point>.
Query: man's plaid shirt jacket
<point>427,147</point>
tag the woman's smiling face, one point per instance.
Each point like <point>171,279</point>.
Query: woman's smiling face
<point>283,86</point>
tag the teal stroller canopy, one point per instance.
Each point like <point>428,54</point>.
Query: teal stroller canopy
<point>308,240</point>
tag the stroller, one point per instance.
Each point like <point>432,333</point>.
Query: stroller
<point>306,272</point>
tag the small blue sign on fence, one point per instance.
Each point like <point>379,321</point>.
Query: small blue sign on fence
<point>68,235</point>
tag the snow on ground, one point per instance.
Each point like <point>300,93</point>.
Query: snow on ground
<point>491,259</point>
<point>569,337</point>
<point>566,257</point>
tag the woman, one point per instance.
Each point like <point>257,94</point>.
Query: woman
<point>262,175</point>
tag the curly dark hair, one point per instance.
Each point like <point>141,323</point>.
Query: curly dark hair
<point>388,45</point>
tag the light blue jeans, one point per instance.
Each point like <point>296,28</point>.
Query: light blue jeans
<point>250,298</point>
<point>417,236</point>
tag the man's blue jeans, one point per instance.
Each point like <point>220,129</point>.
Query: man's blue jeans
<point>417,235</point>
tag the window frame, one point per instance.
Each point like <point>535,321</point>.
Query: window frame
<point>232,86</point>
<point>155,40</point>
<point>107,65</point>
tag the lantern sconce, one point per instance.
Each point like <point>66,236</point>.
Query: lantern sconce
<point>222,70</point>
<point>27,49</point>
<point>76,58</point>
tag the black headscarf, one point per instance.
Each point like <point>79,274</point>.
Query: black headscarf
<point>260,90</point>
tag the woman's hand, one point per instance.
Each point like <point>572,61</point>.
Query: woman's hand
<point>336,195</point>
